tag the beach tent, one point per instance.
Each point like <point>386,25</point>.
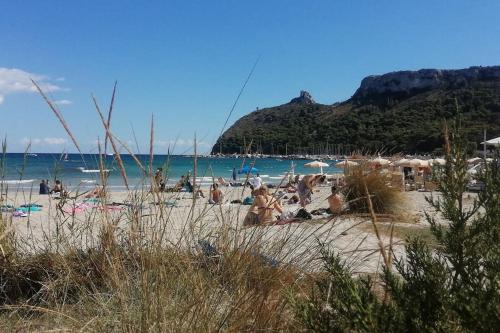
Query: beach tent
<point>247,169</point>
<point>317,164</point>
<point>492,142</point>
<point>345,164</point>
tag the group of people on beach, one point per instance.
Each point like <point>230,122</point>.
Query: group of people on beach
<point>264,204</point>
<point>45,187</point>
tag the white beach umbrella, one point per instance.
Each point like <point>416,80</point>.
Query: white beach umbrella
<point>380,161</point>
<point>345,164</point>
<point>317,164</point>
<point>415,163</point>
<point>425,163</point>
<point>474,160</point>
<point>438,161</point>
<point>403,162</point>
<point>492,142</point>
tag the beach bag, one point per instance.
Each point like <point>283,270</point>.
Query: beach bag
<point>248,201</point>
<point>303,214</point>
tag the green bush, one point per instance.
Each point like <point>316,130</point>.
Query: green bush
<point>453,288</point>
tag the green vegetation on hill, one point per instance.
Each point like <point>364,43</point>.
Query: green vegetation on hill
<point>403,121</point>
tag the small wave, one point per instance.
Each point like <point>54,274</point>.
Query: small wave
<point>23,181</point>
<point>87,181</point>
<point>93,170</point>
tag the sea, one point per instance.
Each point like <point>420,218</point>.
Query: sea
<point>18,170</point>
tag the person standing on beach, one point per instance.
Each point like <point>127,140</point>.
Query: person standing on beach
<point>234,174</point>
<point>306,186</point>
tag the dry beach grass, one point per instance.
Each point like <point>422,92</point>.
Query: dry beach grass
<point>169,261</point>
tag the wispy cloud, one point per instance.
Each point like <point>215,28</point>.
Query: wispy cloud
<point>13,80</point>
<point>44,141</point>
<point>63,102</point>
<point>180,143</point>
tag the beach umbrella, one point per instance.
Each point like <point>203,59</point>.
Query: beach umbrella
<point>317,164</point>
<point>345,164</point>
<point>437,161</point>
<point>474,160</point>
<point>492,142</point>
<point>403,162</point>
<point>247,169</point>
<point>380,161</point>
<point>415,163</point>
<point>425,164</point>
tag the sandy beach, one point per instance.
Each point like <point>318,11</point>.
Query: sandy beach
<point>182,220</point>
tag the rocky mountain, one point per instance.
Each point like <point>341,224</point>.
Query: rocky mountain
<point>398,112</point>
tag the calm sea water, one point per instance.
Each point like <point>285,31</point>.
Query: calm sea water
<point>77,170</point>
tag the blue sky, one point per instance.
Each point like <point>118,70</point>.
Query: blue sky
<point>185,61</point>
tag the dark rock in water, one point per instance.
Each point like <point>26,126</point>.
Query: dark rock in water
<point>304,98</point>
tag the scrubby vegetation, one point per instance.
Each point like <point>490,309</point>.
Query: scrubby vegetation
<point>361,180</point>
<point>454,287</point>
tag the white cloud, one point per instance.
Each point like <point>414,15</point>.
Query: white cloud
<point>13,80</point>
<point>63,102</point>
<point>44,141</point>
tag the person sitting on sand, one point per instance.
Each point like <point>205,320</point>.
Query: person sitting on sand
<point>44,187</point>
<point>159,182</point>
<point>306,186</point>
<point>222,181</point>
<point>261,211</point>
<point>293,199</point>
<point>335,201</point>
<point>216,195</point>
<point>180,184</point>
<point>199,193</point>
<point>58,188</point>
<point>256,182</point>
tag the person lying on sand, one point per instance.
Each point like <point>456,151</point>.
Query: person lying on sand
<point>306,186</point>
<point>97,192</point>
